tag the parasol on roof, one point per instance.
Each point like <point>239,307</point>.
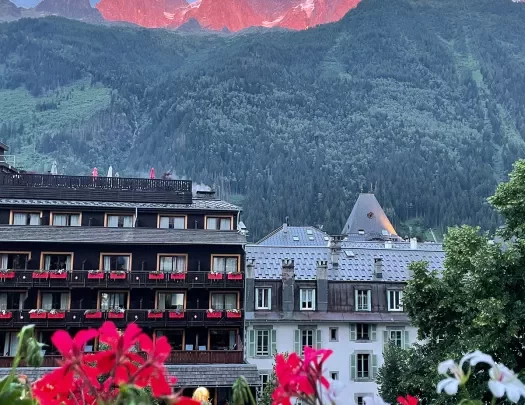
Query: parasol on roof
<point>54,168</point>
<point>95,172</point>
<point>110,171</point>
<point>152,173</point>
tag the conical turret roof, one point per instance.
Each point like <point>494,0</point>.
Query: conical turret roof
<point>368,218</point>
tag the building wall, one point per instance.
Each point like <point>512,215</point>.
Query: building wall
<point>343,348</point>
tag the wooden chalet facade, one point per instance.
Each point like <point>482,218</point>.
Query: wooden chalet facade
<point>76,251</point>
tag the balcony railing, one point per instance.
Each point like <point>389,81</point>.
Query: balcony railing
<point>135,279</point>
<point>143,317</point>
<point>176,357</point>
<point>99,188</point>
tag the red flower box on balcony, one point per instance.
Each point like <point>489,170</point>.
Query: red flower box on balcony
<point>36,315</point>
<point>114,315</point>
<point>214,276</point>
<point>59,315</point>
<point>96,276</point>
<point>7,315</point>
<point>176,315</point>
<point>94,315</point>
<point>178,276</point>
<point>235,276</point>
<point>118,276</point>
<point>9,274</point>
<point>44,275</point>
<point>214,315</point>
<point>156,276</point>
<point>155,315</point>
<point>233,314</point>
<point>58,275</point>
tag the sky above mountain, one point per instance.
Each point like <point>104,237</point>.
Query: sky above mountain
<point>33,3</point>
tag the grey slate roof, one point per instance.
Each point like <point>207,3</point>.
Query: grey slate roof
<point>208,375</point>
<point>295,236</point>
<point>117,236</point>
<point>356,260</point>
<point>198,204</point>
<point>367,215</point>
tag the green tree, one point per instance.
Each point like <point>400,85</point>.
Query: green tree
<point>475,302</point>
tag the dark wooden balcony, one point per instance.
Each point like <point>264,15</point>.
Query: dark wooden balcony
<point>88,188</point>
<point>133,279</point>
<point>77,318</point>
<point>176,357</point>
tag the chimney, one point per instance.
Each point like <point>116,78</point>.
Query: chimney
<point>378,268</point>
<point>249,286</point>
<point>285,225</point>
<point>288,277</point>
<point>413,243</point>
<point>322,286</point>
<point>206,194</point>
<point>335,249</point>
<point>388,244</point>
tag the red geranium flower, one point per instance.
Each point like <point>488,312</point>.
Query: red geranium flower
<point>408,400</point>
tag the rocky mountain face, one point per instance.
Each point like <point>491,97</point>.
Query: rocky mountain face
<point>233,15</point>
<point>8,11</point>
<point>76,9</point>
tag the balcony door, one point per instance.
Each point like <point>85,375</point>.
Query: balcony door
<point>223,339</point>
<point>175,338</point>
<point>12,300</point>
<point>57,261</point>
<point>113,300</point>
<point>115,262</point>
<point>13,261</point>
<point>55,300</point>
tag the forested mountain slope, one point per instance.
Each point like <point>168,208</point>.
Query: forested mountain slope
<point>424,100</point>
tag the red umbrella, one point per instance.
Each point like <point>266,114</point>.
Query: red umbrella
<point>152,173</point>
<point>95,172</point>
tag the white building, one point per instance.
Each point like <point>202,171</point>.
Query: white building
<point>343,292</point>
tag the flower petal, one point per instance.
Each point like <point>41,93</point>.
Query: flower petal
<point>63,342</point>
<point>476,357</point>
<point>450,385</point>
<point>446,366</point>
<point>513,393</point>
<point>497,388</point>
<point>84,336</point>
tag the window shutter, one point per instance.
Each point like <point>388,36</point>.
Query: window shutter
<point>314,304</point>
<point>374,366</point>
<point>401,300</point>
<point>356,299</point>
<point>406,339</point>
<point>353,331</point>
<point>385,339</point>
<point>388,304</point>
<point>274,342</point>
<point>297,342</point>
<point>318,338</point>
<point>373,332</point>
<point>369,298</point>
<point>251,343</point>
<point>269,299</point>
<point>353,367</point>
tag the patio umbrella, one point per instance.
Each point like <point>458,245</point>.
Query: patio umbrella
<point>54,168</point>
<point>110,171</point>
<point>152,173</point>
<point>95,172</point>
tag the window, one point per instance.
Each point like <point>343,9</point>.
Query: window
<point>363,366</point>
<point>222,302</point>
<point>333,334</point>
<point>49,348</point>
<point>398,337</point>
<point>113,300</point>
<point>119,221</point>
<point>175,337</point>
<point>307,301</point>
<point>172,264</point>
<point>334,375</point>
<point>307,337</point>
<point>363,300</point>
<point>395,300</point>
<point>9,343</point>
<point>170,222</point>
<point>116,262</point>
<point>225,264</point>
<point>223,339</point>
<point>265,379</point>
<point>12,300</point>
<point>262,347</point>
<point>219,224</point>
<point>26,218</point>
<point>362,331</point>
<point>66,219</point>
<point>360,400</point>
<point>56,261</point>
<point>55,300</point>
<point>263,298</point>
<point>171,301</point>
<point>13,261</point>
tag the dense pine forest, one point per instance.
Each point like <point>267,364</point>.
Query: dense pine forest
<point>422,101</point>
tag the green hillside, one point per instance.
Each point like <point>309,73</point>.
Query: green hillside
<point>422,101</point>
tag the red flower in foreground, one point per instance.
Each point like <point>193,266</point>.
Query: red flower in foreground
<point>408,400</point>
